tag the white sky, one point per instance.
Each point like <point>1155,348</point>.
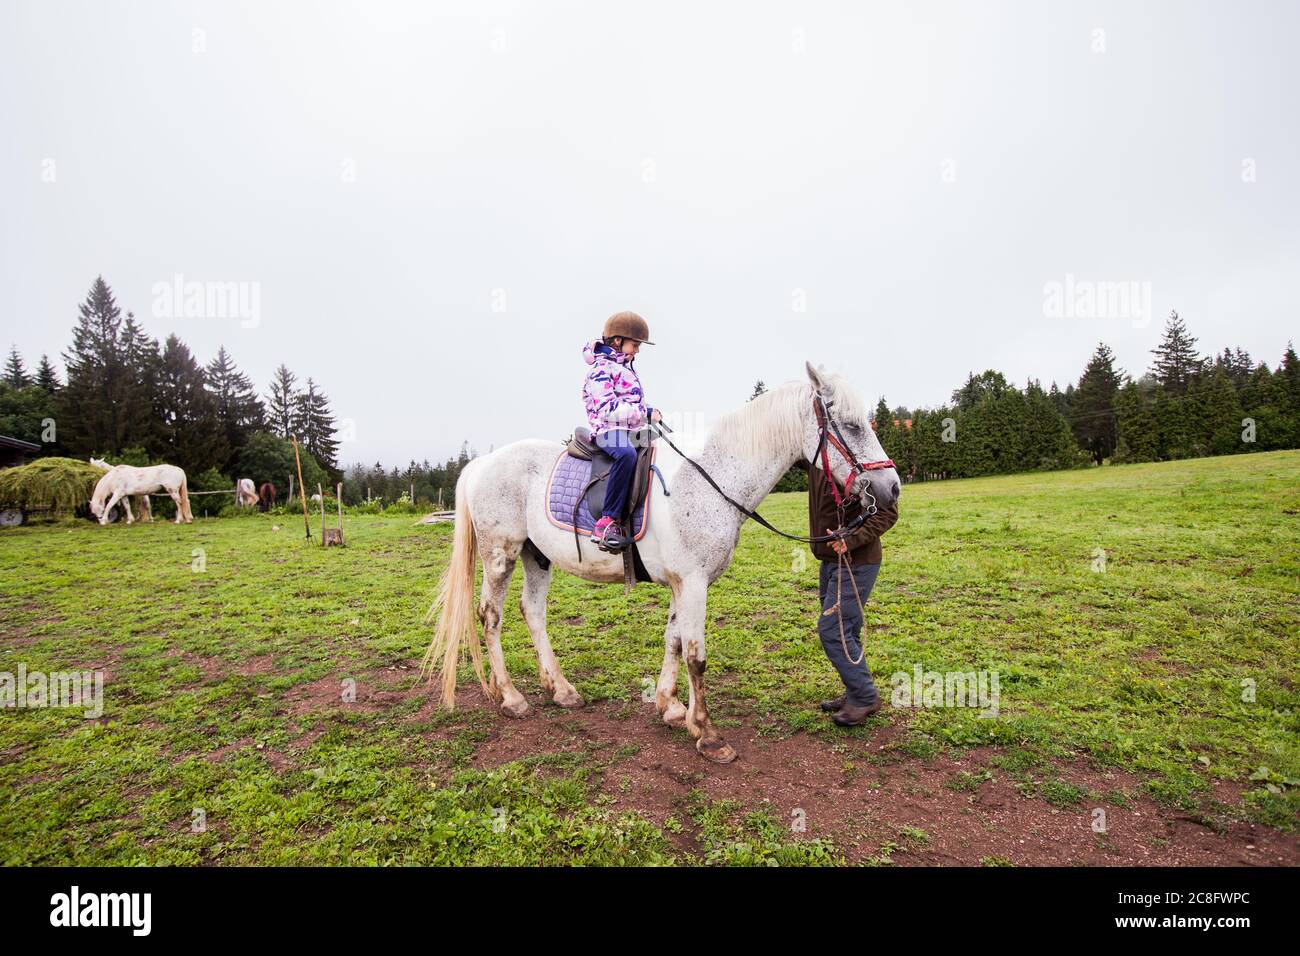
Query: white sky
<point>697,163</point>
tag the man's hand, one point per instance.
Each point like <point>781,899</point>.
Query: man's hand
<point>838,546</point>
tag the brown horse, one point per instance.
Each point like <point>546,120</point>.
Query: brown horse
<point>266,497</point>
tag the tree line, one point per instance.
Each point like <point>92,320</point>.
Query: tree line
<point>128,398</point>
<point>1185,405</point>
<point>431,483</point>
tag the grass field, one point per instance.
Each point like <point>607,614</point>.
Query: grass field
<point>1142,619</point>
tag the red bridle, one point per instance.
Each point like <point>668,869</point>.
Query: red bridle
<point>825,426</point>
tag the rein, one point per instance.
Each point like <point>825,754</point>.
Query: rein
<point>828,433</point>
<point>824,419</point>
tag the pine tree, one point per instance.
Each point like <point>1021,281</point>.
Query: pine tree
<point>140,364</point>
<point>314,425</point>
<point>1061,400</point>
<point>1288,375</point>
<point>93,399</point>
<point>46,377</point>
<point>1177,361</point>
<point>886,431</point>
<point>1136,425</point>
<point>280,403</point>
<point>15,374</point>
<point>1237,365</point>
<point>1092,408</point>
<point>239,410</point>
<point>1050,443</point>
<point>1220,414</point>
<point>759,389</point>
<point>1288,382</point>
<point>189,434</point>
<point>988,384</point>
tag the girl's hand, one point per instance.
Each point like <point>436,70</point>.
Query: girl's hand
<point>838,545</point>
<point>655,416</point>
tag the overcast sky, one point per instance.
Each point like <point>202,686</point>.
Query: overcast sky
<point>436,205</point>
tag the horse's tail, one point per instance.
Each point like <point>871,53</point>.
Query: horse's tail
<point>186,514</point>
<point>454,608</point>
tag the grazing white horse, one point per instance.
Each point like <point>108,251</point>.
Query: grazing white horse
<point>124,480</point>
<point>501,502</point>
<point>141,501</point>
<point>246,493</point>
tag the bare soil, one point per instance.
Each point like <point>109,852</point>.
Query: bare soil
<point>874,801</point>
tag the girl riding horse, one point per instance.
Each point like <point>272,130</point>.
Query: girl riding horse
<point>616,405</point>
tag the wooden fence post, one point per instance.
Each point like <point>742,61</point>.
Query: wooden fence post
<point>302,490</point>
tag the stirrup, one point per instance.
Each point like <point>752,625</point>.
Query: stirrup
<point>613,540</point>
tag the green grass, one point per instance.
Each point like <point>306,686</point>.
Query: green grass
<point>1146,666</point>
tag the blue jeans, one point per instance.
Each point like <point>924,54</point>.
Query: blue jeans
<point>859,686</point>
<point>615,443</point>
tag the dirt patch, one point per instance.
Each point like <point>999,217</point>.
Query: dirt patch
<point>867,792</point>
<point>368,692</point>
<point>877,803</point>
<point>256,666</point>
<point>213,669</point>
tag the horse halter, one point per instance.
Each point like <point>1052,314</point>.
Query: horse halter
<point>828,433</point>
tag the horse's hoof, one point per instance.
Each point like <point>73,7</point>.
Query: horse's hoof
<point>719,751</point>
<point>571,701</point>
<point>517,709</point>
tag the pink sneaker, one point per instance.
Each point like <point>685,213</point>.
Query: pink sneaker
<point>602,525</point>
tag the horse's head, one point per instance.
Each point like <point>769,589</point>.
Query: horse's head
<point>847,412</point>
<point>99,497</point>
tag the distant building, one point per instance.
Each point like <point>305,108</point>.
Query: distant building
<point>15,451</point>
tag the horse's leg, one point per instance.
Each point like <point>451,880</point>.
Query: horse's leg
<point>498,565</point>
<point>176,497</point>
<point>691,618</point>
<point>532,602</point>
<point>146,511</point>
<point>126,506</point>
<point>670,708</point>
<point>109,505</point>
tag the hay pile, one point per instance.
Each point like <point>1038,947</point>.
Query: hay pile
<point>61,485</point>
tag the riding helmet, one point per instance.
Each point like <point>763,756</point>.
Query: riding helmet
<point>629,325</point>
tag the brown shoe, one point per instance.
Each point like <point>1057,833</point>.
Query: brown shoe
<point>830,706</point>
<point>850,715</point>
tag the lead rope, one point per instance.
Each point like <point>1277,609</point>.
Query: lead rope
<point>826,425</point>
<point>842,565</point>
<point>854,523</point>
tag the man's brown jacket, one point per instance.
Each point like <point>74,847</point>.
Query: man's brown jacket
<point>863,542</point>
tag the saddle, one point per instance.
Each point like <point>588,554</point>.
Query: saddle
<point>582,446</point>
<point>575,484</point>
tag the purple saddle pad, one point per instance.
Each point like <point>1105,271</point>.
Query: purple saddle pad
<point>568,479</point>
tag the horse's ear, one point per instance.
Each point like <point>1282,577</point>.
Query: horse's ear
<point>821,383</point>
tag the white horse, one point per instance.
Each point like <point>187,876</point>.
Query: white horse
<point>245,493</point>
<point>501,502</point>
<point>124,480</point>
<point>141,501</point>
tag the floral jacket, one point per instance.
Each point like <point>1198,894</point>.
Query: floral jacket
<point>612,391</point>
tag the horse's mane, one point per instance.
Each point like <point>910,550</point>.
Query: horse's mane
<point>772,423</point>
